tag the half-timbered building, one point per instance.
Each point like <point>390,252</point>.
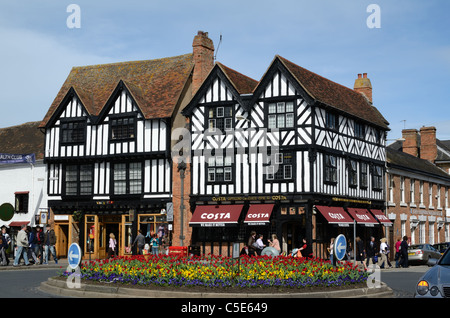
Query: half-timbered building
<point>108,146</point>
<point>282,156</point>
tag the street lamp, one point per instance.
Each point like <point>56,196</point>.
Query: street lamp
<point>182,169</point>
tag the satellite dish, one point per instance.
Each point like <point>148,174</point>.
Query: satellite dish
<point>6,212</point>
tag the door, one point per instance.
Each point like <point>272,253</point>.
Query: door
<point>62,234</point>
<point>291,236</point>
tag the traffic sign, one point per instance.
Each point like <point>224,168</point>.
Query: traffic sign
<point>340,247</point>
<point>74,255</point>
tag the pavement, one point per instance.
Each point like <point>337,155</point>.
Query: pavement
<point>62,263</point>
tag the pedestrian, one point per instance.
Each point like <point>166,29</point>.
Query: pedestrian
<point>397,252</point>
<point>306,249</point>
<point>32,240</point>
<point>360,252</point>
<point>40,244</point>
<point>330,249</point>
<point>371,252</point>
<point>275,243</point>
<point>251,244</point>
<point>49,244</point>
<point>260,244</point>
<point>22,246</point>
<point>112,245</point>
<point>6,243</point>
<point>404,252</point>
<point>140,240</point>
<point>384,251</point>
<point>154,242</point>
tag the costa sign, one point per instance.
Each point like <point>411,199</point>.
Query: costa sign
<point>258,216</point>
<point>215,216</point>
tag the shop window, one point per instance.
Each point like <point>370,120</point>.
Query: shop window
<point>21,202</point>
<point>78,179</point>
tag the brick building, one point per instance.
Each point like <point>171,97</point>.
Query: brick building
<point>418,187</point>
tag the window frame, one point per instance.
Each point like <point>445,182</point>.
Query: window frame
<point>127,180</point>
<point>114,137</point>
<point>219,120</point>
<point>330,175</point>
<point>212,167</point>
<point>276,110</point>
<point>285,171</point>
<point>78,182</point>
<point>65,131</point>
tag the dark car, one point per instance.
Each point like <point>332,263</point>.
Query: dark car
<point>442,247</point>
<point>435,283</point>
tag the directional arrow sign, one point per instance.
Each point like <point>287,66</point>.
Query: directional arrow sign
<point>340,246</point>
<point>74,255</point>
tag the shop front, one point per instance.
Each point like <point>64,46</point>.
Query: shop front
<point>92,226</point>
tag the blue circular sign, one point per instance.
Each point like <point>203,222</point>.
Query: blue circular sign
<point>74,255</point>
<point>340,247</point>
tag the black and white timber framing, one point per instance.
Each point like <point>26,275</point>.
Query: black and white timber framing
<point>253,141</point>
<point>119,135</point>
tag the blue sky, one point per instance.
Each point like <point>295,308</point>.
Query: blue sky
<point>407,59</point>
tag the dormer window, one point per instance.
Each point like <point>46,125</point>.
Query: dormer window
<point>123,128</point>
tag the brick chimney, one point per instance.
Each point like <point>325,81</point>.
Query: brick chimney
<point>203,50</point>
<point>428,148</point>
<point>363,86</point>
<point>411,142</point>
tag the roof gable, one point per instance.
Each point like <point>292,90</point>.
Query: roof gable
<point>316,88</point>
<point>236,83</point>
<point>155,85</point>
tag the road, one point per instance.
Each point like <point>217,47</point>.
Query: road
<point>403,280</point>
<point>24,282</point>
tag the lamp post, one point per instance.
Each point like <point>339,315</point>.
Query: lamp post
<point>182,169</point>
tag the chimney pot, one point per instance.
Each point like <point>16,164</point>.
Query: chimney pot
<point>363,86</point>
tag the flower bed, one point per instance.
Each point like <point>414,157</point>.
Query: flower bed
<point>223,272</point>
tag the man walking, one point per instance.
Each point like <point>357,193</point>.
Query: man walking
<point>22,246</point>
<point>49,244</point>
<point>371,251</point>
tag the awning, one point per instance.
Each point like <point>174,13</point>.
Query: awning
<point>259,214</point>
<point>362,216</point>
<point>335,215</point>
<point>383,219</point>
<point>216,215</point>
<point>18,223</point>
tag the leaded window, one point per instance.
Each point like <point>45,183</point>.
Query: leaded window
<point>280,115</point>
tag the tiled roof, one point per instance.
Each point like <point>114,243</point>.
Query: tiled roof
<point>23,139</point>
<point>409,162</point>
<point>155,85</point>
<point>335,95</point>
<point>242,83</point>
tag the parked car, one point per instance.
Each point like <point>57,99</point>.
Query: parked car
<point>442,247</point>
<point>435,283</point>
<point>421,253</point>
